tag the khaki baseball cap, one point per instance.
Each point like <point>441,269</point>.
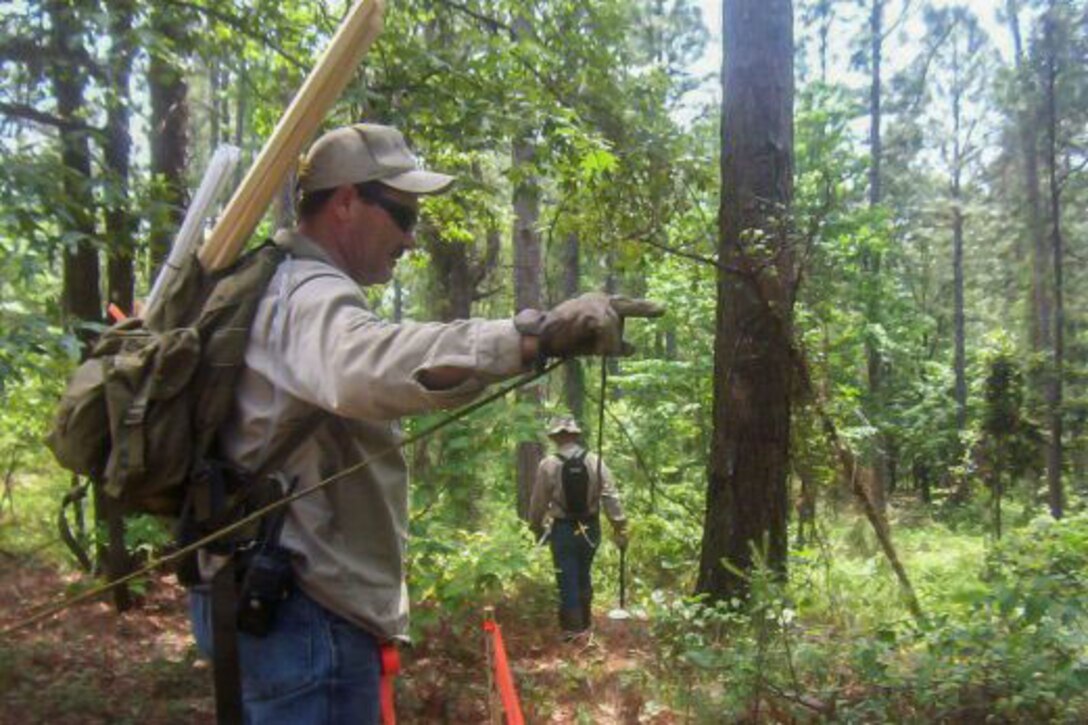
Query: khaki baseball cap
<point>366,152</point>
<point>563,425</point>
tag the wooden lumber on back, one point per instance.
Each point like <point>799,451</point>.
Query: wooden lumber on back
<point>300,121</point>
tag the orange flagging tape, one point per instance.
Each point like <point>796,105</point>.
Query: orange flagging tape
<point>390,668</point>
<point>115,312</point>
<point>503,678</point>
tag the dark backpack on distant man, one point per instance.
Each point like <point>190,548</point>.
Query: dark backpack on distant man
<point>575,477</point>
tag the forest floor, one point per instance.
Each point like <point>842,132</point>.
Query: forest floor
<point>91,665</point>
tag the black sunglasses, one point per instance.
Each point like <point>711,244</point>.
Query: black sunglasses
<point>404,216</point>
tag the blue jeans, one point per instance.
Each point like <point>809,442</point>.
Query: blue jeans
<point>573,547</point>
<point>313,668</point>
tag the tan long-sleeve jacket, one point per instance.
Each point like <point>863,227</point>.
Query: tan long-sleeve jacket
<point>315,345</point>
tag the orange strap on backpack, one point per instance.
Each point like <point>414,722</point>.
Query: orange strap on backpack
<point>390,669</point>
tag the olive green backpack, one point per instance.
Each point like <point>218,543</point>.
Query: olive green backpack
<point>142,411</point>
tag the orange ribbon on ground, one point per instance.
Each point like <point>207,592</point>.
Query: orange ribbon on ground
<point>390,668</point>
<point>503,678</point>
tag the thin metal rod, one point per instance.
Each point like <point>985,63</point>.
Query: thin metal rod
<point>600,419</point>
<point>623,578</point>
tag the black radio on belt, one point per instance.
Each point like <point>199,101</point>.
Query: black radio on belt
<point>266,583</point>
<point>268,577</point>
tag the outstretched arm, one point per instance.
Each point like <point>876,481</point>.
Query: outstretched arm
<point>447,377</point>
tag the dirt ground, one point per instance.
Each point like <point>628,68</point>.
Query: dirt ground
<point>92,665</point>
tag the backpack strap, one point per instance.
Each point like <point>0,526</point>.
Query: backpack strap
<point>226,666</point>
<point>580,455</point>
<point>74,542</point>
<point>301,432</point>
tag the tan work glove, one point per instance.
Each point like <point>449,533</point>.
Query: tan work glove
<point>591,324</point>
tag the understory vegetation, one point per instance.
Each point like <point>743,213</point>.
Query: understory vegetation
<point>1005,633</point>
<point>915,298</point>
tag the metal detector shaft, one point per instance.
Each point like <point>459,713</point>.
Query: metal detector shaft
<point>623,578</point>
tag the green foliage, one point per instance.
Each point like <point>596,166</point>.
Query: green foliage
<point>1005,637</point>
<point>595,88</point>
<point>1010,442</point>
<point>456,571</point>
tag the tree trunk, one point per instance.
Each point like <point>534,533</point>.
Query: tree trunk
<point>451,279</point>
<point>284,202</point>
<point>1054,387</point>
<point>747,497</point>
<point>527,294</point>
<point>826,16</point>
<point>241,107</point>
<point>169,130</point>
<point>960,362</point>
<point>1026,121</point>
<point>872,261</point>
<point>398,301</point>
<point>574,377</point>
<point>806,501</point>
<point>960,356</point>
<point>216,92</point>
<point>1039,312</point>
<point>922,481</point>
<point>119,220</point>
<point>876,51</point>
<point>82,299</point>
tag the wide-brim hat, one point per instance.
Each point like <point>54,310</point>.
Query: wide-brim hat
<point>564,425</point>
<point>367,152</point>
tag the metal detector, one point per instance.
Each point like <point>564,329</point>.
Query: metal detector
<point>620,613</point>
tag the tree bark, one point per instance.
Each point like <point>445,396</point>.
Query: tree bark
<point>451,279</point>
<point>876,51</point>
<point>960,361</point>
<point>82,299</point>
<point>1026,121</point>
<point>527,294</point>
<point>1056,493</point>
<point>284,201</point>
<point>169,132</point>
<point>747,499</point>
<point>574,377</point>
<point>119,221</point>
<point>872,261</point>
<point>960,334</point>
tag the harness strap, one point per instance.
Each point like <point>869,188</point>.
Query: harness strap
<point>390,669</point>
<point>74,542</point>
<point>135,420</point>
<point>226,666</point>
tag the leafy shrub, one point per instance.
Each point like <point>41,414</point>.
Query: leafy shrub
<point>454,572</point>
<point>1009,643</point>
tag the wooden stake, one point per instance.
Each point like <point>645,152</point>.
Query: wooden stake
<point>297,126</point>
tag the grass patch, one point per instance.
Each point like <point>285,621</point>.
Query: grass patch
<point>1006,635</point>
<point>28,522</point>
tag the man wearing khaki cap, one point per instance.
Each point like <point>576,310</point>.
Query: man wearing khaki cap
<point>571,489</point>
<point>326,380</point>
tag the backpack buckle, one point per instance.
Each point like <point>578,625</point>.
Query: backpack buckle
<point>136,413</point>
